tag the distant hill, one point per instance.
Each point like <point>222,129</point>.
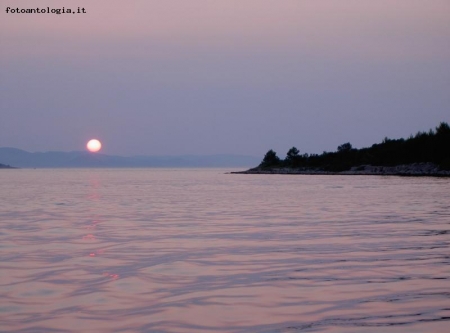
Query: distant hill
<point>429,149</point>
<point>80,159</point>
<point>4,166</point>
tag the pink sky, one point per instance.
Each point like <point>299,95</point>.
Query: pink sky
<point>216,76</point>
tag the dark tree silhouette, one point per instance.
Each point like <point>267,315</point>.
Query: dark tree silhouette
<point>443,129</point>
<point>432,146</point>
<point>293,158</point>
<point>345,147</point>
<point>292,154</point>
<point>270,159</point>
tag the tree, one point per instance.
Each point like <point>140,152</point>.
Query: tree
<point>292,154</point>
<point>270,159</point>
<point>345,147</point>
<point>443,129</point>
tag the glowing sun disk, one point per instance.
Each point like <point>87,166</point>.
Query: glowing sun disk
<point>94,145</point>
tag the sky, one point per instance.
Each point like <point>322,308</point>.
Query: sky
<point>222,76</point>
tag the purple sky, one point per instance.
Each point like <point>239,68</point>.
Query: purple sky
<point>226,76</point>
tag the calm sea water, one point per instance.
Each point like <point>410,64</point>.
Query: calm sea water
<point>158,250</point>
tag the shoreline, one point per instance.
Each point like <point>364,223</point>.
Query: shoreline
<point>406,170</point>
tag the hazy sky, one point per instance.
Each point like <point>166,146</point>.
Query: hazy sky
<point>222,76</point>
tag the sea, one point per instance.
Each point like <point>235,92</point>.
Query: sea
<point>202,250</point>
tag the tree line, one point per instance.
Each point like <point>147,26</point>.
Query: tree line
<point>432,146</point>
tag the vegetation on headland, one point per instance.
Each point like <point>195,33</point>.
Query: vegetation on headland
<point>425,147</point>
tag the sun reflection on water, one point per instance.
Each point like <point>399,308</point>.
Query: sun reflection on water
<point>201,251</point>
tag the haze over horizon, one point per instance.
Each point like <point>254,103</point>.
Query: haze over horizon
<point>210,77</point>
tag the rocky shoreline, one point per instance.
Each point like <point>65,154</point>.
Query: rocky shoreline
<point>415,169</point>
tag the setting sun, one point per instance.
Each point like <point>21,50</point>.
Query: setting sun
<point>94,145</point>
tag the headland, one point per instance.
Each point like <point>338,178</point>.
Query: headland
<point>425,154</point>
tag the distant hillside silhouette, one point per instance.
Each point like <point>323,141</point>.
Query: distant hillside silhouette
<point>425,147</point>
<point>5,166</point>
<point>83,159</point>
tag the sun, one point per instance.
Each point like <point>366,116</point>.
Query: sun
<point>94,145</point>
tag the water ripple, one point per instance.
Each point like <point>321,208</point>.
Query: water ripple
<point>201,251</point>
